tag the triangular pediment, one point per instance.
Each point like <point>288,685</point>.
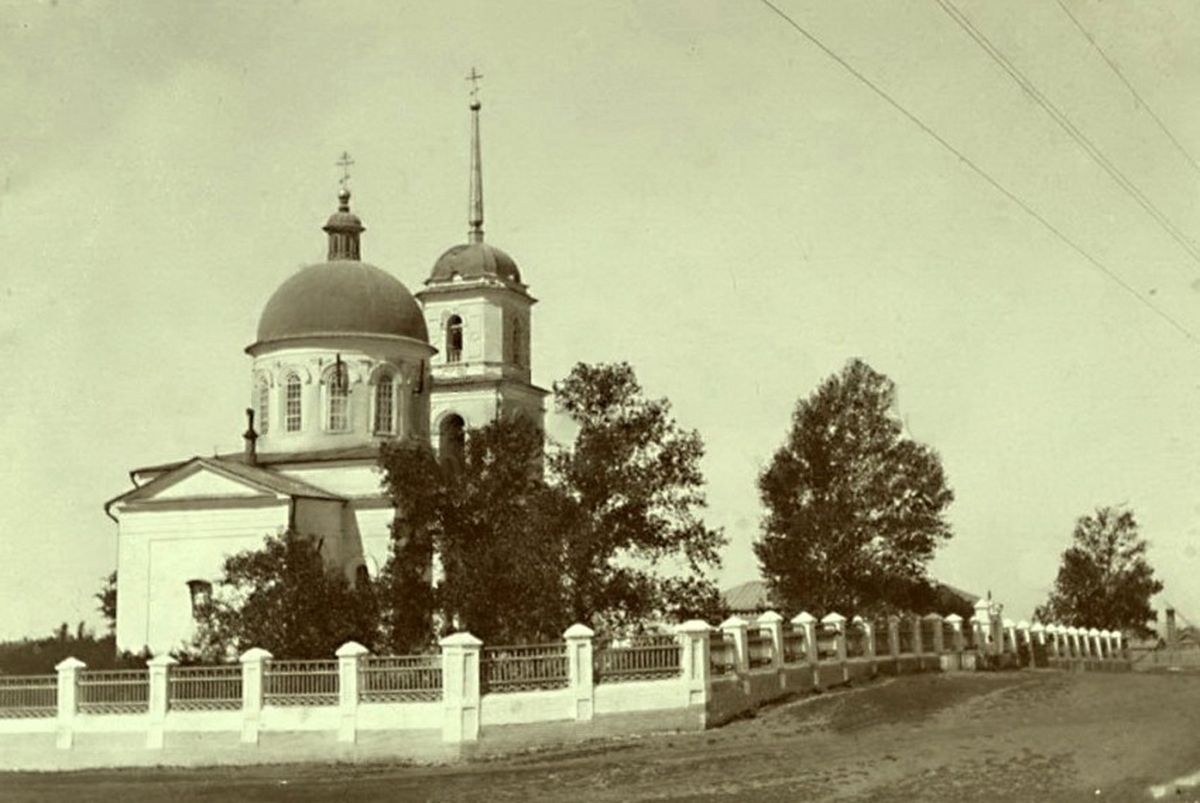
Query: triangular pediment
<point>201,482</point>
<point>197,480</point>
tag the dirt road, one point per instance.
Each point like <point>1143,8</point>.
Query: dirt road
<point>1028,736</point>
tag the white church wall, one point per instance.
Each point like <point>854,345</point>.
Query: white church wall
<point>344,480</point>
<point>159,551</point>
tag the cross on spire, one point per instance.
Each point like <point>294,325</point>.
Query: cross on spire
<point>475,77</point>
<point>344,162</point>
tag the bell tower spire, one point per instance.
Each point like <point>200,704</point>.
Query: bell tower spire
<point>475,215</point>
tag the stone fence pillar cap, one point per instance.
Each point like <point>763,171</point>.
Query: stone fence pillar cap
<point>1009,623</point>
<point>804,618</point>
<point>694,626</point>
<point>954,617</point>
<point>161,660</point>
<point>1093,632</point>
<point>983,605</point>
<point>255,654</point>
<point>461,639</point>
<point>578,630</point>
<point>770,617</point>
<point>70,663</point>
<point>1038,627</point>
<point>734,621</point>
<point>351,649</point>
<point>833,619</point>
<point>933,617</point>
<point>1022,624</point>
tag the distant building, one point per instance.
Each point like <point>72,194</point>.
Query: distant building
<point>345,359</point>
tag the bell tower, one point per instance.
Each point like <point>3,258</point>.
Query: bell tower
<point>479,316</point>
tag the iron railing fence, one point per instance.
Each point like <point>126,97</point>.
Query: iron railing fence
<point>636,658</point>
<point>947,637</point>
<point>400,678</point>
<point>907,642</point>
<point>524,667</point>
<point>722,653</point>
<point>204,688</point>
<point>113,691</point>
<point>760,647</point>
<point>827,639</point>
<point>295,682</point>
<point>28,696</point>
<point>795,649</point>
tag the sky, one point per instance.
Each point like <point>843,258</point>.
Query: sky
<point>691,187</point>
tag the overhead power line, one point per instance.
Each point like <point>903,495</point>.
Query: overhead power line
<point>962,157</point>
<point>1112,65</point>
<point>1072,131</point>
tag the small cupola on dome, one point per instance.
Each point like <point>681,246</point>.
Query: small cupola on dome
<point>344,228</point>
<point>475,259</point>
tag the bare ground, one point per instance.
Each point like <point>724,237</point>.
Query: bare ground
<point>1029,736</point>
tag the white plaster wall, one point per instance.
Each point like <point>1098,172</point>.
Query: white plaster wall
<point>361,356</point>
<point>160,550</point>
<point>526,706</point>
<point>363,479</point>
<point>642,695</point>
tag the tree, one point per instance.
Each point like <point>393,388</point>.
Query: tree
<point>492,519</point>
<point>285,599</point>
<point>636,546</point>
<point>106,599</point>
<point>1104,579</point>
<point>531,542</point>
<point>854,509</point>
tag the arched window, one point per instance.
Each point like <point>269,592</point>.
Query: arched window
<point>454,339</point>
<point>337,400</point>
<point>262,401</point>
<point>385,404</point>
<point>517,348</point>
<point>452,440</point>
<point>292,419</point>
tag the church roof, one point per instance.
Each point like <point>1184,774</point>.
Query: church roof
<point>474,261</point>
<point>274,458</point>
<point>261,479</point>
<point>342,297</point>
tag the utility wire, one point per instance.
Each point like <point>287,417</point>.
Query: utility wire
<point>1072,131</point>
<point>962,157</point>
<point>1132,90</point>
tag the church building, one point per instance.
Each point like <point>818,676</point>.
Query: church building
<point>345,359</point>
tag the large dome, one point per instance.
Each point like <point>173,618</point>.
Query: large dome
<point>475,261</point>
<point>343,297</point>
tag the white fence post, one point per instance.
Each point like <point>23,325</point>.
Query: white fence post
<point>68,685</point>
<point>158,669</point>
<point>918,645</point>
<point>579,663</point>
<point>772,622</point>
<point>894,637</point>
<point>736,627</point>
<point>806,620</point>
<point>253,662</point>
<point>838,623</point>
<point>693,655</point>
<point>956,622</point>
<point>348,655</point>
<point>460,687</point>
